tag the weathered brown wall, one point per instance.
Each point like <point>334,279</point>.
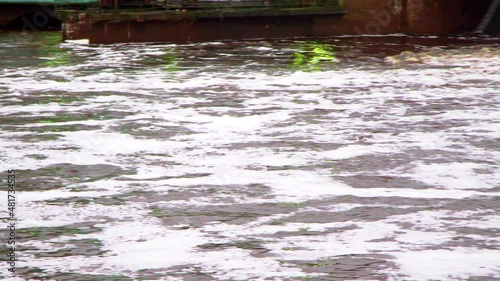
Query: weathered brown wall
<point>366,17</point>
<point>409,16</point>
<point>372,17</point>
<point>362,17</point>
<point>75,26</point>
<point>202,29</point>
<point>444,16</point>
<point>434,16</point>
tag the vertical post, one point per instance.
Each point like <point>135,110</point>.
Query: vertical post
<point>116,4</point>
<point>405,18</point>
<point>490,14</point>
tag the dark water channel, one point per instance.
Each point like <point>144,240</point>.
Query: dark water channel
<point>349,158</point>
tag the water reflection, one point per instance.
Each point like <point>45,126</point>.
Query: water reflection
<point>170,61</point>
<point>18,49</point>
<point>51,51</point>
<point>311,54</point>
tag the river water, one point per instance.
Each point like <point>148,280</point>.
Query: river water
<point>331,159</point>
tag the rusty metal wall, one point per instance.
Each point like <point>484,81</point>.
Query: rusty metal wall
<point>204,29</point>
<point>362,17</point>
<point>373,17</point>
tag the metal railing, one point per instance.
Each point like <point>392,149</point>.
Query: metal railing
<point>190,5</point>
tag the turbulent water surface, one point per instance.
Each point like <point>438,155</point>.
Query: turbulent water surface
<point>334,159</point>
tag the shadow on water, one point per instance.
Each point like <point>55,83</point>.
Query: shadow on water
<point>25,49</point>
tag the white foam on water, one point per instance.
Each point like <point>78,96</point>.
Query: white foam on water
<point>455,176</point>
<point>447,265</point>
<point>274,137</point>
<point>79,41</point>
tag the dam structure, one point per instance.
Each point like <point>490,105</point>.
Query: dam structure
<point>117,21</point>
